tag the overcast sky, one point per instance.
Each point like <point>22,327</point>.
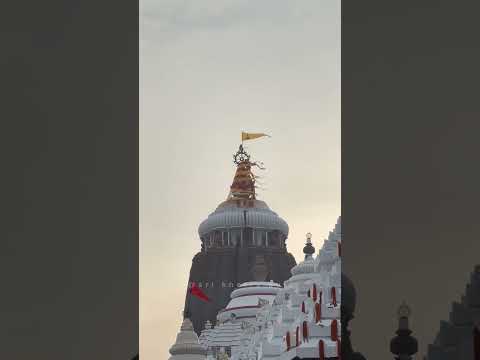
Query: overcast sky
<point>208,70</point>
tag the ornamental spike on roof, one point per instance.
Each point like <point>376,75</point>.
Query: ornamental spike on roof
<point>243,185</point>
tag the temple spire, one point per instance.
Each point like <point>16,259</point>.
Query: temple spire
<point>308,250</point>
<point>243,185</point>
<point>404,346</point>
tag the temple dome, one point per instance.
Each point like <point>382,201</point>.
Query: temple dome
<point>305,267</point>
<point>243,213</point>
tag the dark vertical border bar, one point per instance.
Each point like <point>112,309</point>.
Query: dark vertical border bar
<point>410,174</point>
<point>69,235</point>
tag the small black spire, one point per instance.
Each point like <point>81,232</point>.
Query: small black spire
<point>308,250</point>
<point>403,345</point>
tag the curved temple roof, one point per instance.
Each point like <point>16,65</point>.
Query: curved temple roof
<point>236,214</point>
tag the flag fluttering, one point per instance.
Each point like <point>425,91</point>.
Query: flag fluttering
<point>251,136</point>
<point>198,293</point>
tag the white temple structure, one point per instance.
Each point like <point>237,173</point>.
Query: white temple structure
<point>243,307</point>
<point>187,346</point>
<point>301,320</point>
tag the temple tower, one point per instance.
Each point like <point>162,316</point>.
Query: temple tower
<point>186,346</point>
<point>242,240</point>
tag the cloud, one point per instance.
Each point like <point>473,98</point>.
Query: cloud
<point>168,19</point>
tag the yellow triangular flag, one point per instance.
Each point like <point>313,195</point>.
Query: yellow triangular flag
<point>250,136</point>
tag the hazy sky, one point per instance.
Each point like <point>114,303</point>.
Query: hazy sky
<point>209,69</point>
